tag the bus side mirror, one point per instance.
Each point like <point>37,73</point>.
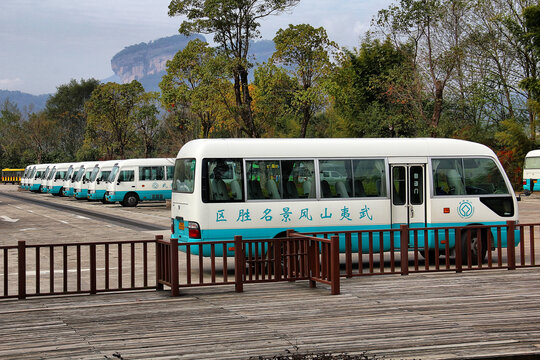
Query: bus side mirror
<point>118,182</point>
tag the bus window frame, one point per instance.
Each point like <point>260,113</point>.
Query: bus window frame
<point>205,184</point>
<point>280,159</point>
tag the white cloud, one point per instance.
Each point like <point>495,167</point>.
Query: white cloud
<point>10,84</point>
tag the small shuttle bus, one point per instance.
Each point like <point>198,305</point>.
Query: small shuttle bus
<point>135,180</point>
<point>259,188</point>
<point>39,173</point>
<point>67,189</point>
<point>24,180</point>
<point>531,171</point>
<point>80,184</point>
<point>98,180</point>
<point>29,176</point>
<point>55,182</point>
<point>44,178</point>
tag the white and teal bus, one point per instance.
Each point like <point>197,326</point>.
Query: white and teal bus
<point>98,180</point>
<point>81,181</point>
<point>71,174</point>
<point>135,180</point>
<point>259,188</point>
<point>26,176</point>
<point>55,183</point>
<point>37,177</point>
<point>531,171</point>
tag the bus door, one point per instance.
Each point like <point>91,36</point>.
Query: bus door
<point>408,195</point>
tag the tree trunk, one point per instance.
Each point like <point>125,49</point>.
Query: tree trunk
<point>437,107</point>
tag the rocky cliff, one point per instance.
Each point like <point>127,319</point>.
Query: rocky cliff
<point>146,62</point>
<point>136,62</point>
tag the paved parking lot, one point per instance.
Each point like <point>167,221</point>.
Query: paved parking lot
<point>20,220</point>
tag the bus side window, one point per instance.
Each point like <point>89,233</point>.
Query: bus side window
<point>224,180</point>
<point>335,178</point>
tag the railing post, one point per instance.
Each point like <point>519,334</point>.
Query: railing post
<point>93,286</point>
<point>239,261</point>
<point>404,249</point>
<point>175,288</point>
<point>348,254</point>
<point>334,265</point>
<point>159,258</point>
<point>311,263</point>
<point>458,251</point>
<point>277,259</point>
<point>511,244</point>
<point>21,258</point>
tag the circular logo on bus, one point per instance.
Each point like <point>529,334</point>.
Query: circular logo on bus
<point>465,209</point>
<point>155,185</point>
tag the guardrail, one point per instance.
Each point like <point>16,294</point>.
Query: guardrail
<point>75,268</point>
<point>297,257</point>
<point>95,267</point>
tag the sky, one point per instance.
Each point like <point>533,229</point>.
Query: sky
<point>46,43</point>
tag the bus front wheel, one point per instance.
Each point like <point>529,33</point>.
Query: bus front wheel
<point>130,200</point>
<point>473,250</point>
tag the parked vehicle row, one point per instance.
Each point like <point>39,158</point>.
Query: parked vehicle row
<point>125,181</point>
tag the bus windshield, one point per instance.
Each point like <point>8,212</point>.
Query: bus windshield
<point>113,173</point>
<point>68,173</point>
<point>51,174</point>
<point>532,163</point>
<point>80,174</point>
<point>94,174</point>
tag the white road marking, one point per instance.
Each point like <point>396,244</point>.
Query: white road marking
<point>8,219</point>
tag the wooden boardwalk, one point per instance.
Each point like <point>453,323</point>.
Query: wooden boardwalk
<point>423,316</point>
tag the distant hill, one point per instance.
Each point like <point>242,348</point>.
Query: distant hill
<point>146,62</point>
<point>25,102</point>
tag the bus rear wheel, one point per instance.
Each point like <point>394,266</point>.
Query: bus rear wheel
<point>130,200</point>
<point>473,251</point>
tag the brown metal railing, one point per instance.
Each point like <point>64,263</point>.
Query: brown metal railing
<point>93,267</point>
<point>409,255</point>
<point>75,268</point>
<point>294,258</point>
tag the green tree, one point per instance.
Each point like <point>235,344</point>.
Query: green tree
<point>66,108</point>
<point>306,50</point>
<point>273,97</point>
<point>532,82</point>
<point>234,24</point>
<point>111,118</point>
<point>40,131</point>
<point>197,83</point>
<point>147,122</point>
<point>12,140</point>
<point>374,89</point>
<point>431,28</point>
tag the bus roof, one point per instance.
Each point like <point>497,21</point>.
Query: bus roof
<point>533,153</point>
<point>307,148</point>
<point>146,162</point>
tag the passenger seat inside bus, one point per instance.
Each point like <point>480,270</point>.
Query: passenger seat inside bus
<point>236,190</point>
<point>219,190</point>
<point>341,190</point>
<point>254,190</point>
<point>290,191</point>
<point>272,189</point>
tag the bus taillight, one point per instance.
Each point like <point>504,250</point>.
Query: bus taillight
<point>194,230</point>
